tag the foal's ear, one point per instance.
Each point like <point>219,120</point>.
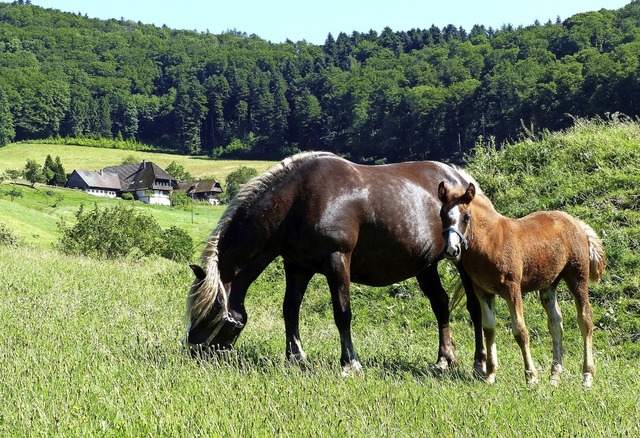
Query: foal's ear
<point>198,271</point>
<point>442,192</point>
<point>469,194</point>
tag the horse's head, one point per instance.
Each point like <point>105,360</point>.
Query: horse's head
<point>456,218</point>
<point>210,325</point>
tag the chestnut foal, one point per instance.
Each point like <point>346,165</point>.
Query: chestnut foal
<point>509,257</point>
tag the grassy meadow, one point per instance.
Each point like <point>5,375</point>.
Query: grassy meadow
<point>14,156</point>
<point>93,348</point>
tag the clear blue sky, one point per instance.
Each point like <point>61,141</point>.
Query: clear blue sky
<point>277,20</point>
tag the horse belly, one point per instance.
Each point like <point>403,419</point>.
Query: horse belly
<point>380,260</point>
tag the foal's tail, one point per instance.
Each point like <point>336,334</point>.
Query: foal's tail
<point>597,259</point>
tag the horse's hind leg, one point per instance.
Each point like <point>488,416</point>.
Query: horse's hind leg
<point>580,291</point>
<point>297,279</point>
<point>548,298</point>
<point>429,282</point>
<point>337,271</point>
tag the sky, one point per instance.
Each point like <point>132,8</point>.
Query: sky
<point>279,20</point>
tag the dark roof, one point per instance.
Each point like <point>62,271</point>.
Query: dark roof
<point>141,176</point>
<point>201,186</point>
<point>99,179</point>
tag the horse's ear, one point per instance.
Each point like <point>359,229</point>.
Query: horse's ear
<point>470,193</point>
<point>198,271</point>
<point>442,191</point>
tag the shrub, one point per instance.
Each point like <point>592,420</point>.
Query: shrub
<point>113,232</point>
<point>180,200</point>
<point>6,236</point>
<point>177,245</point>
<point>235,180</point>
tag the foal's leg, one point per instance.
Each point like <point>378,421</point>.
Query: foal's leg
<point>548,298</point>
<point>297,279</point>
<point>429,282</point>
<point>337,271</point>
<point>580,291</point>
<point>487,306</point>
<point>521,333</point>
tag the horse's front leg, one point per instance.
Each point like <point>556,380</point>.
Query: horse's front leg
<point>475,313</point>
<point>548,298</point>
<point>520,332</point>
<point>487,307</point>
<point>429,282</point>
<point>297,279</point>
<point>337,271</point>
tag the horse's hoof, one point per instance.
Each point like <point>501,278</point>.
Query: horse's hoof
<point>490,379</point>
<point>442,365</point>
<point>479,369</point>
<point>554,380</point>
<point>352,369</point>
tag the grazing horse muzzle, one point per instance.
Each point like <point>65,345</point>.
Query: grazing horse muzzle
<point>219,332</point>
<point>455,242</point>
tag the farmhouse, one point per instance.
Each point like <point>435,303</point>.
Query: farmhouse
<point>145,181</point>
<point>203,190</point>
<point>95,182</point>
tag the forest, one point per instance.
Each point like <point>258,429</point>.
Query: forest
<point>387,96</point>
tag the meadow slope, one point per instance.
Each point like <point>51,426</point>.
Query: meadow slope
<point>93,348</point>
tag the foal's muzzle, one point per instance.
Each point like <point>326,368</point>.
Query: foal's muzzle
<point>453,251</point>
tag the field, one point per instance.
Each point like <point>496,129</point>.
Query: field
<point>14,156</point>
<point>93,348</point>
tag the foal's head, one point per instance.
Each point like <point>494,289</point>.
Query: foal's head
<point>456,217</point>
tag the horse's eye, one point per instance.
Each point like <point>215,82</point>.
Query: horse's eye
<point>466,218</point>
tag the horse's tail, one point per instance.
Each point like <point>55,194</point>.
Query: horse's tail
<point>211,289</point>
<point>597,259</point>
<point>457,294</point>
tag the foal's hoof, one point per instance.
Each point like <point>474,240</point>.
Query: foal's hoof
<point>587,381</point>
<point>554,380</point>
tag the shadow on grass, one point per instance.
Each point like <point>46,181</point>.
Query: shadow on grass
<point>254,358</point>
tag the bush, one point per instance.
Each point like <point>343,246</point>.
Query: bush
<point>110,233</point>
<point>180,200</point>
<point>6,236</point>
<point>235,180</point>
<point>177,245</point>
<point>120,231</point>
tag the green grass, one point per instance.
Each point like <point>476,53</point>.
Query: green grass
<point>92,348</point>
<point>14,156</point>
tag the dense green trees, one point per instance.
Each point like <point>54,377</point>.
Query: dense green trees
<point>388,96</point>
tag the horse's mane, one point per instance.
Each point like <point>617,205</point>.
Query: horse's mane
<point>200,301</point>
<point>466,175</point>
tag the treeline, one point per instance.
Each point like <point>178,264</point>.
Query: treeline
<point>419,94</point>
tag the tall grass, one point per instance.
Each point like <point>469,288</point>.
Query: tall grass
<point>92,348</point>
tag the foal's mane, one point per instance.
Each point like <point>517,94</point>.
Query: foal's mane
<point>200,301</point>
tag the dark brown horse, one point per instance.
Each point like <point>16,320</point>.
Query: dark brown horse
<point>509,257</point>
<point>374,225</point>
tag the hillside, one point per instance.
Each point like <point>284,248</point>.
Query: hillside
<point>14,156</point>
<point>397,95</point>
<point>592,171</point>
